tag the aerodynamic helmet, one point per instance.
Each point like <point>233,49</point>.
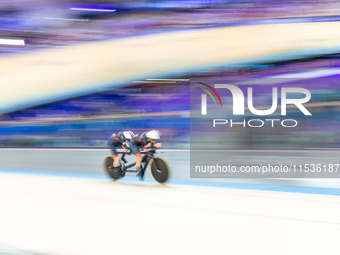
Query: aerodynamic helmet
<point>128,135</point>
<point>154,135</point>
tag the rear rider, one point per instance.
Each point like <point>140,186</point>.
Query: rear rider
<point>141,142</point>
<point>119,140</point>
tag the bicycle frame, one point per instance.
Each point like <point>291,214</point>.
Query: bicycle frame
<point>146,158</point>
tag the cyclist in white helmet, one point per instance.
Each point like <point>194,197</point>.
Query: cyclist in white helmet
<point>141,142</point>
<point>119,140</point>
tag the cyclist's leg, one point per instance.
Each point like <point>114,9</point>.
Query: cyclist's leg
<point>126,149</point>
<point>113,146</point>
<point>145,155</point>
<point>135,150</point>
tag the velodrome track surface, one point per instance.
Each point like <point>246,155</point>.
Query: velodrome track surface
<point>45,209</point>
<point>64,72</point>
<point>72,216</point>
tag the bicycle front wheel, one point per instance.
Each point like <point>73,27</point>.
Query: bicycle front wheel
<point>159,170</point>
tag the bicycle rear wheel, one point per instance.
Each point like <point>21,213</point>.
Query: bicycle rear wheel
<point>159,170</point>
<point>108,165</point>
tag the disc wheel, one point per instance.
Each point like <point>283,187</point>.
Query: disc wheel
<point>159,170</point>
<point>108,166</point>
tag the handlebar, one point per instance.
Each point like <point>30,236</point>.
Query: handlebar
<point>148,151</point>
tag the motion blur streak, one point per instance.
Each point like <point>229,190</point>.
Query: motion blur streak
<point>9,251</point>
<point>91,10</point>
<point>69,71</point>
<point>66,19</point>
<point>12,42</point>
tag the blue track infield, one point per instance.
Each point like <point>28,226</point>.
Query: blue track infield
<point>243,186</point>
